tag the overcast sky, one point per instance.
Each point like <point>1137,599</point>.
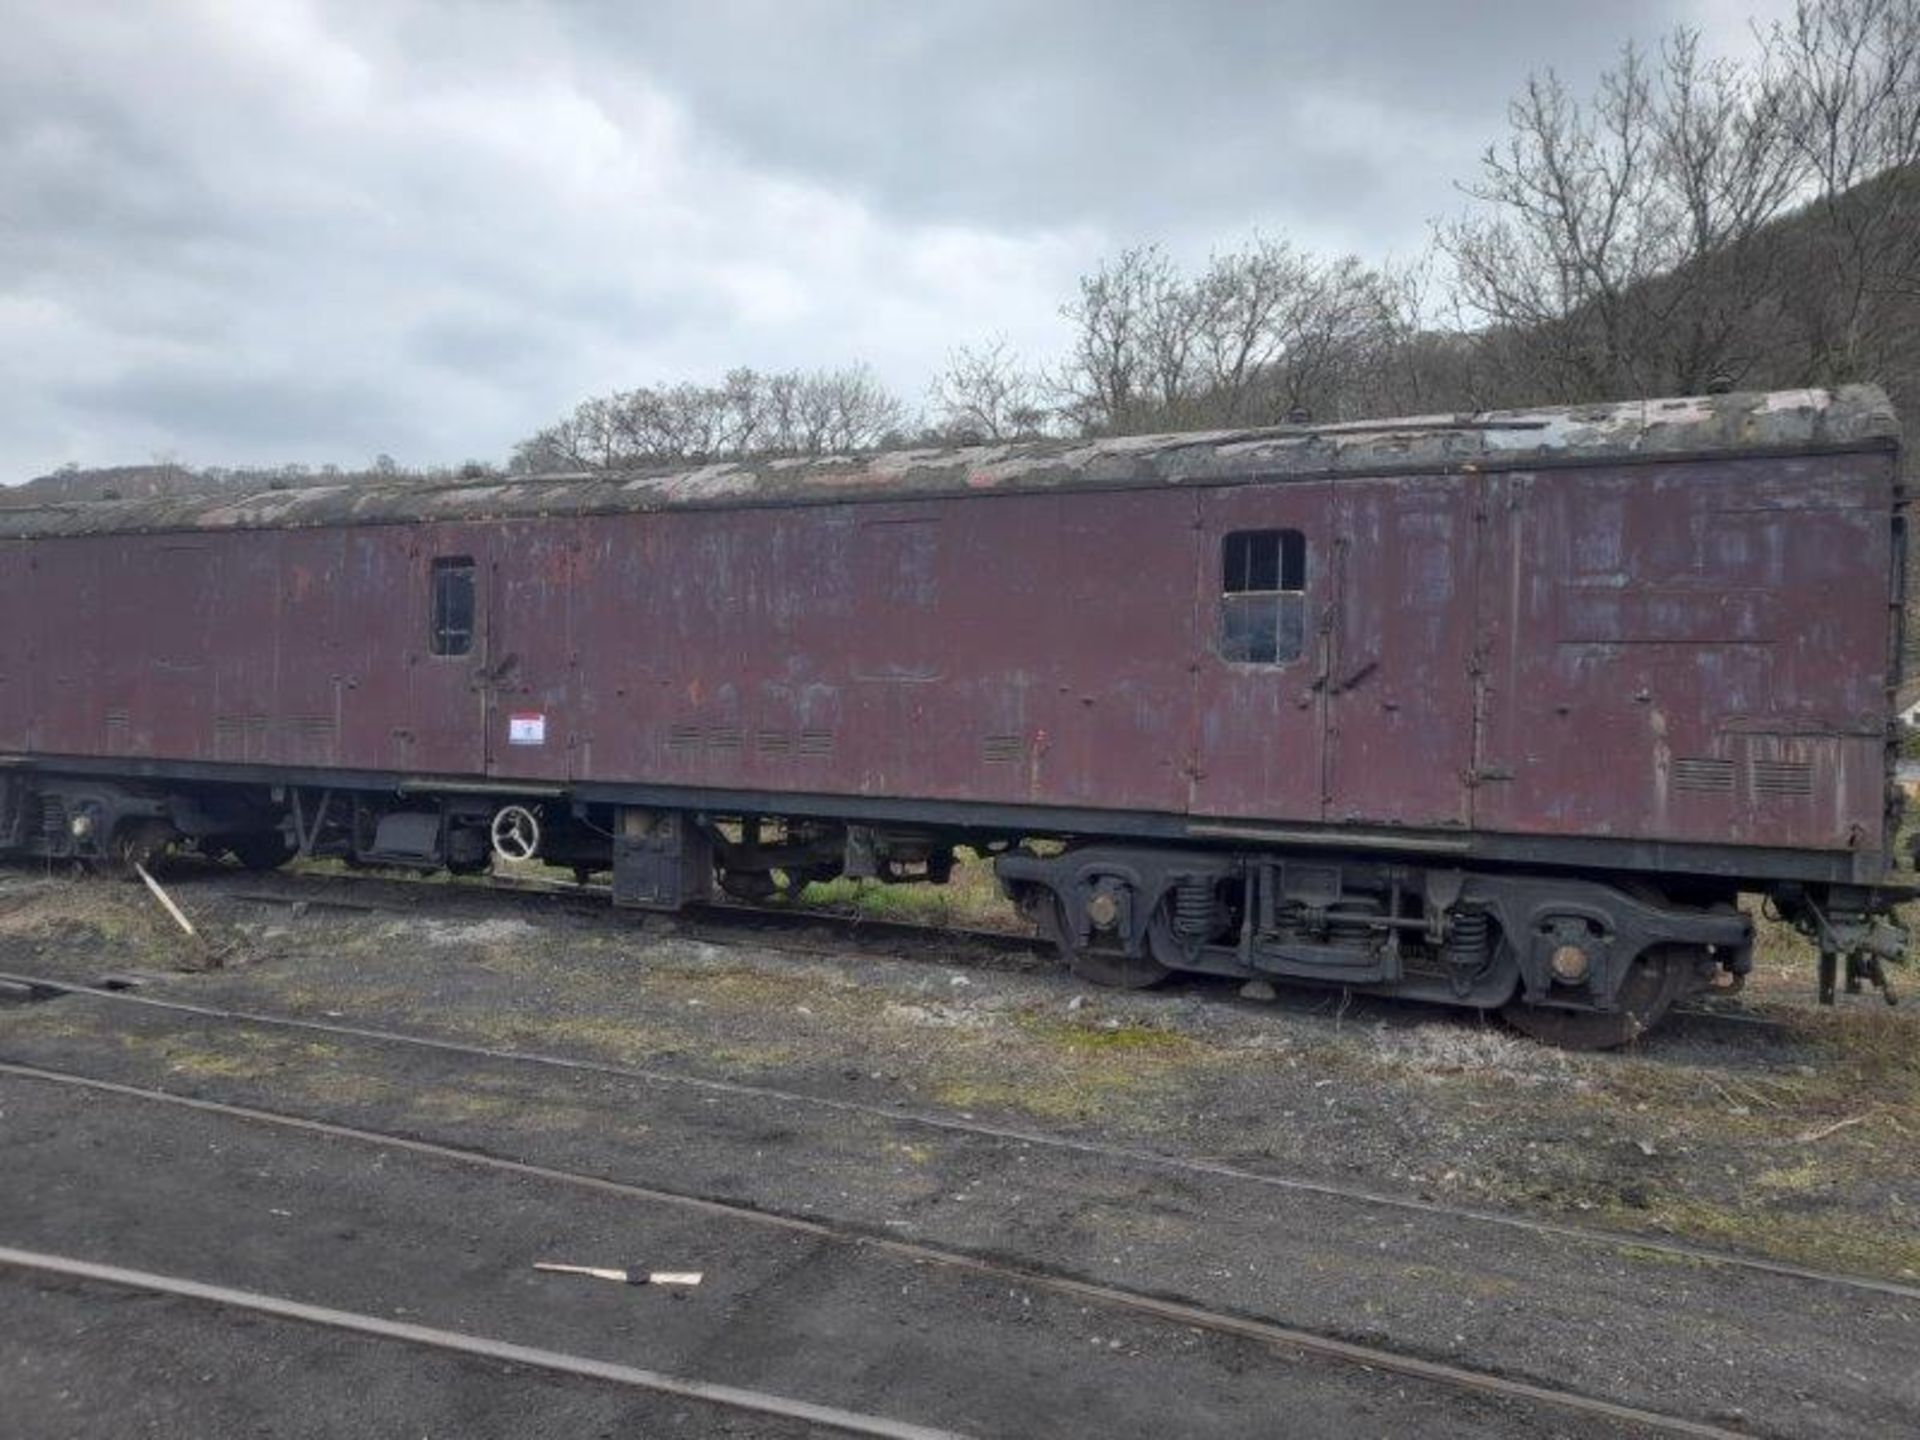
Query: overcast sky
<point>265,230</point>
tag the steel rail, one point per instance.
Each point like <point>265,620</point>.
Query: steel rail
<point>732,1397</point>
<point>711,922</point>
<point>1624,1240</point>
<point>600,896</point>
<point>758,920</point>
<point>1199,1317</point>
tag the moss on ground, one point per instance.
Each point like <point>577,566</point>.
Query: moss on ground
<point>1095,1036</point>
<point>1078,1095</point>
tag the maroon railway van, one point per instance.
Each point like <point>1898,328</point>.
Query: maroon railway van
<point>1503,710</point>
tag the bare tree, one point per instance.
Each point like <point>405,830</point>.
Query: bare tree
<point>1726,170</point>
<point>985,394</point>
<point>1850,70</point>
<point>745,411</point>
<point>1334,334</point>
<point>790,413</point>
<point>1615,239</point>
<point>1261,332</point>
<point>1245,302</point>
<point>1423,358</point>
<point>1104,382</point>
<point>841,410</point>
<point>587,439</point>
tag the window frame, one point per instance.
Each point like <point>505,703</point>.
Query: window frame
<point>440,612</point>
<point>1241,593</point>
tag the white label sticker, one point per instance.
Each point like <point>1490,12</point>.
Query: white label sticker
<point>526,727</point>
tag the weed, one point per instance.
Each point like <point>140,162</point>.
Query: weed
<point>971,897</point>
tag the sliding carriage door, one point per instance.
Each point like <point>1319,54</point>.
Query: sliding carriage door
<point>1400,688</point>
<point>1264,585</point>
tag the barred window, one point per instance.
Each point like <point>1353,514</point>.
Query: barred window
<point>1263,596</point>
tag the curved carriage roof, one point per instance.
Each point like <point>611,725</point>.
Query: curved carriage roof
<point>1784,421</point>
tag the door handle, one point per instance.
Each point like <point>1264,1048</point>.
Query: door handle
<point>1353,681</point>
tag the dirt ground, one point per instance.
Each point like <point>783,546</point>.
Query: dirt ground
<point>1803,1145</point>
<point>1800,1144</point>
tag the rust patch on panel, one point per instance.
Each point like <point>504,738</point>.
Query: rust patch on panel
<point>1579,644</point>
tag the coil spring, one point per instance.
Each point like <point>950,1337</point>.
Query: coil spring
<point>1194,914</point>
<point>1469,937</point>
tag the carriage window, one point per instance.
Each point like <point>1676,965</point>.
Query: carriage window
<point>1263,600</point>
<point>453,606</point>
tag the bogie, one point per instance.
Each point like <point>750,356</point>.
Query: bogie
<point>1568,959</point>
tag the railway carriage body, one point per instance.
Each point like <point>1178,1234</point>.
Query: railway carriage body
<point>1488,709</point>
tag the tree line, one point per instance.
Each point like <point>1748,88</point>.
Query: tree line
<point>748,413</point>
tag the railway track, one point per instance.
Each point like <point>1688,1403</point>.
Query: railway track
<point>796,931</point>
<point>730,1397</point>
<point>1182,1313</point>
<point>31,987</point>
<point>720,922</point>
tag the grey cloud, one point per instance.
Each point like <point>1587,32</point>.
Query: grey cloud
<point>1130,117</point>
<point>225,411</point>
<point>283,231</point>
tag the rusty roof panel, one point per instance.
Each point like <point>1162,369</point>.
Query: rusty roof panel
<point>1850,418</point>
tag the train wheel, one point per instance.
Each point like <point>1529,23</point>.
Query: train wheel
<point>1109,969</point>
<point>1115,971</point>
<point>1652,985</point>
<point>259,853</point>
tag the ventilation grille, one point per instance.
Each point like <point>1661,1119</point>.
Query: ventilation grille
<point>1003,749</point>
<point>239,732</point>
<point>53,818</point>
<point>1703,776</point>
<point>311,727</point>
<point>816,743</point>
<point>728,740</point>
<point>119,719</point>
<point>1782,777</point>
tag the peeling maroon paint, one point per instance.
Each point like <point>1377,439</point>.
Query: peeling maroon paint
<point>1689,650</point>
<point>1732,682</point>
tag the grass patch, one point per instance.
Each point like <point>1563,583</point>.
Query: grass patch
<point>1051,1097</point>
<point>1794,1179</point>
<point>1832,1240</point>
<point>971,897</point>
<point>242,1054</point>
<point>1066,1069</point>
<point>1097,1039</point>
<point>1874,1049</point>
<point>1646,1256</point>
<point>623,1042</point>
